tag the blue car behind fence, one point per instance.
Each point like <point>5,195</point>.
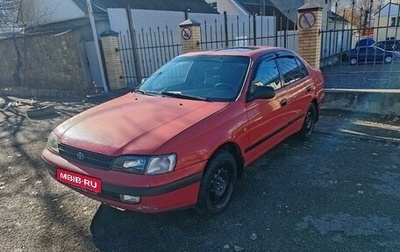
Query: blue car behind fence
<point>366,54</point>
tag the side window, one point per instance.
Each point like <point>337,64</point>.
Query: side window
<point>268,74</point>
<point>302,68</point>
<point>290,69</point>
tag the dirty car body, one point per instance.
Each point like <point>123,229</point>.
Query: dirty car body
<point>185,135</point>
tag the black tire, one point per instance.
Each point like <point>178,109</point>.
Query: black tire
<point>309,122</point>
<point>39,112</point>
<point>218,182</point>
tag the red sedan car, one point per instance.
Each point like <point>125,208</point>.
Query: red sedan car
<point>186,134</point>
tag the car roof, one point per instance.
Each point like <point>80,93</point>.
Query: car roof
<point>371,46</point>
<point>248,51</point>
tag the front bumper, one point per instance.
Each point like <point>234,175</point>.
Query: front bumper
<point>175,190</point>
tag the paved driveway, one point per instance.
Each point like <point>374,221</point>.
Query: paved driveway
<point>335,192</point>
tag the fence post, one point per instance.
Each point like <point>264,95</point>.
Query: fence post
<point>254,30</point>
<point>112,58</point>
<point>136,62</point>
<point>226,29</point>
<point>190,35</point>
<point>309,30</point>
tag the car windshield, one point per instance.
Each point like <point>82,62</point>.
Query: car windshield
<point>201,77</point>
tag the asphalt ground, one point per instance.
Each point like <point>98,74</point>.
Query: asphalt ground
<point>339,191</point>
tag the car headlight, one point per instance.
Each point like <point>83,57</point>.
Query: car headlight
<point>151,165</point>
<point>52,142</point>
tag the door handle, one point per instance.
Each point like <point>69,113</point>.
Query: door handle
<point>308,89</point>
<point>284,102</point>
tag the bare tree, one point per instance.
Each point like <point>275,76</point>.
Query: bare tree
<point>9,26</point>
<point>7,8</point>
<point>358,12</point>
<point>19,26</point>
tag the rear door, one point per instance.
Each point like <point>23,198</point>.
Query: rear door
<point>374,54</point>
<point>298,86</point>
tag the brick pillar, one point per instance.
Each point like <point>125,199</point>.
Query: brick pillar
<point>112,58</point>
<point>309,27</point>
<point>190,36</point>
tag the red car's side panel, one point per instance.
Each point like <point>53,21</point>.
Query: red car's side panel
<point>199,142</point>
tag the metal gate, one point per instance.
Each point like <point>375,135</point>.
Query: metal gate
<point>151,46</point>
<point>352,58</point>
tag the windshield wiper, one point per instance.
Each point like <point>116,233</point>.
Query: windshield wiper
<point>178,94</point>
<point>138,90</point>
<point>145,92</point>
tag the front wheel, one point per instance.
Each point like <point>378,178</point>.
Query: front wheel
<point>218,182</point>
<point>309,122</point>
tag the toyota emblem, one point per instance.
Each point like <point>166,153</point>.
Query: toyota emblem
<point>80,156</point>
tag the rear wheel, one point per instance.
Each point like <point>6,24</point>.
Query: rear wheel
<point>218,182</point>
<point>353,61</point>
<point>309,122</point>
<point>388,59</point>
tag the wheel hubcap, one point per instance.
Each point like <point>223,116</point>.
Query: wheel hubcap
<point>309,120</point>
<point>219,185</point>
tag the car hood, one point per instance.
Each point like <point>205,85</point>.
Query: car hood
<point>133,124</point>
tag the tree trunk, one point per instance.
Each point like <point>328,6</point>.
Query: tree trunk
<point>18,64</point>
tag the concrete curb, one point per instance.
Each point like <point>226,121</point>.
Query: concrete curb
<point>379,101</point>
<point>365,137</point>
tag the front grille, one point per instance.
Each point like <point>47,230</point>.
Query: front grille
<point>85,157</point>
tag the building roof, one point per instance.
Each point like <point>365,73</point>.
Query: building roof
<point>337,18</point>
<point>256,6</point>
<point>289,7</point>
<point>310,6</point>
<point>196,6</point>
<point>267,8</point>
<point>388,9</point>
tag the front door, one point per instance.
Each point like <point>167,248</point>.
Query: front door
<point>267,117</point>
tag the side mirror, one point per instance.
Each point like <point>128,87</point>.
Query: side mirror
<point>263,92</point>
